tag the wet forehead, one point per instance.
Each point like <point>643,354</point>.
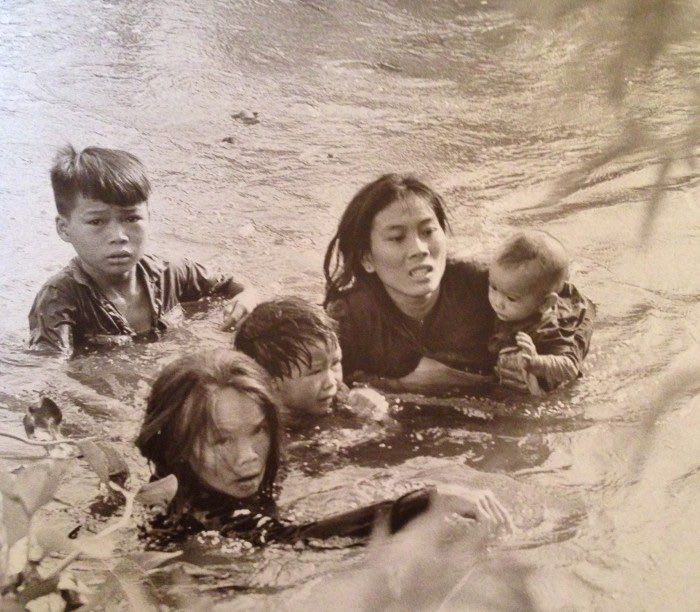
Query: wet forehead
<point>518,279</point>
<point>234,411</point>
<point>408,211</point>
<point>87,206</point>
<point>323,353</point>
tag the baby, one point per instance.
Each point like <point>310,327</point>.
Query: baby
<point>296,342</point>
<point>113,291</point>
<point>542,320</point>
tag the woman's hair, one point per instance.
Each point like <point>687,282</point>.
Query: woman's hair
<point>180,407</point>
<point>108,175</point>
<point>280,334</point>
<point>342,265</point>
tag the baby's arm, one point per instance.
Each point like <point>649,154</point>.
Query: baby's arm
<point>553,370</point>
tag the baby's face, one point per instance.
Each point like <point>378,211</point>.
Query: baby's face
<point>511,292</point>
<point>311,389</point>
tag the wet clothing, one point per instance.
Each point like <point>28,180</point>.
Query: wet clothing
<point>70,310</point>
<point>561,336</point>
<point>380,340</point>
<point>257,521</point>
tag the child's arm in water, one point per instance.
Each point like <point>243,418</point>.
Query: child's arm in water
<point>196,282</point>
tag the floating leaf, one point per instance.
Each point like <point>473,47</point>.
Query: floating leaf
<point>126,580</point>
<point>47,416</point>
<point>36,485</point>
<point>117,468</point>
<point>149,560</point>
<point>53,602</point>
<point>96,457</point>
<point>159,492</point>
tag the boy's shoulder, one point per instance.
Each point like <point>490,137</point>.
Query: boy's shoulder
<point>67,279</point>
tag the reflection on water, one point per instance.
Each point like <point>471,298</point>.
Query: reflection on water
<point>463,94</point>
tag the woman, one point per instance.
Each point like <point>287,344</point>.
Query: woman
<point>406,313</point>
<point>212,422</point>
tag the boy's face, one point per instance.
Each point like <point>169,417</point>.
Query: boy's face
<point>108,239</point>
<point>511,292</point>
<point>312,389</point>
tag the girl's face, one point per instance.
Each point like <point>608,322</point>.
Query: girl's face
<point>232,456</point>
<point>408,249</point>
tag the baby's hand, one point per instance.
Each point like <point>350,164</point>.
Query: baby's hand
<point>369,403</point>
<point>526,346</point>
<point>239,306</point>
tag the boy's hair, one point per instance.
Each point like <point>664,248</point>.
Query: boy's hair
<point>109,175</point>
<point>279,334</point>
<point>541,249</point>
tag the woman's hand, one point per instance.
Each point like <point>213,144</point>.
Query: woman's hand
<point>480,503</point>
<point>433,376</point>
<point>239,306</point>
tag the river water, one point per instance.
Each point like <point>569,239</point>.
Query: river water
<point>467,95</point>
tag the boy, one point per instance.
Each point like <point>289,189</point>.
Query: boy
<point>112,292</point>
<point>296,342</point>
<point>542,320</point>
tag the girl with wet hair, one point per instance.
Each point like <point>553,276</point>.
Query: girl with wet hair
<point>212,421</point>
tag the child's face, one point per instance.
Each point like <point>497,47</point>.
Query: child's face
<point>108,239</point>
<point>231,457</point>
<point>511,292</point>
<point>311,389</point>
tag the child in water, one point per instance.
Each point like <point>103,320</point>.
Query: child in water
<point>542,320</point>
<point>212,421</point>
<point>112,291</point>
<point>296,342</point>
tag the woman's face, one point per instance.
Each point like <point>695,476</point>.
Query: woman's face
<point>408,249</point>
<point>231,457</point>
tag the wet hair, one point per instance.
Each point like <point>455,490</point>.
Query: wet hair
<point>108,175</point>
<point>541,249</point>
<point>342,265</point>
<point>280,333</point>
<point>180,406</point>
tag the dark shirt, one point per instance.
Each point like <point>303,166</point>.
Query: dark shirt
<point>256,519</point>
<point>378,339</point>
<point>564,330</point>
<point>70,310</point>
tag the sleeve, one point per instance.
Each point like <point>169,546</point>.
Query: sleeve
<point>195,282</point>
<point>52,320</point>
<point>554,370</point>
<point>360,522</point>
<point>570,337</point>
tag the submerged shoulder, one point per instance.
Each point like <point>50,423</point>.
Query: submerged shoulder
<point>64,282</point>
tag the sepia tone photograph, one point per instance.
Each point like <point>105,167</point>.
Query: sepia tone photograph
<point>349,305</point>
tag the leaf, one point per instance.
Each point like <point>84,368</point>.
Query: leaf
<point>52,540</point>
<point>17,556</point>
<point>47,416</point>
<point>126,580</point>
<point>53,602</point>
<point>159,492</point>
<point>36,485</point>
<point>7,482</point>
<point>15,519</point>
<point>116,466</point>
<point>96,457</point>
<point>96,547</point>
<point>149,560</point>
